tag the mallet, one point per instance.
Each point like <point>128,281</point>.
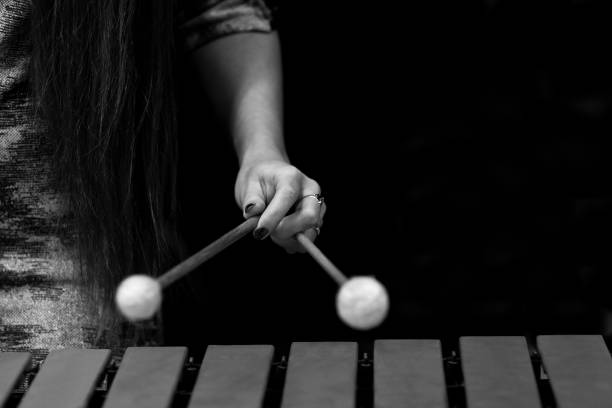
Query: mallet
<point>361,302</point>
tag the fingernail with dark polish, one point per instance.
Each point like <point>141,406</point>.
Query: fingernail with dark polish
<point>248,208</point>
<point>260,233</point>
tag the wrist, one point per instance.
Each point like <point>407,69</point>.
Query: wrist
<point>265,151</point>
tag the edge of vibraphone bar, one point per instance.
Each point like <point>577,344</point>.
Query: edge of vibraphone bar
<point>77,370</point>
<point>579,368</point>
<point>147,377</point>
<point>12,366</point>
<point>498,372</point>
<point>233,376</point>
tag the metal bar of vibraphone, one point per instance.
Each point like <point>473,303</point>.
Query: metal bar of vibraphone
<point>232,376</point>
<point>11,368</point>
<point>321,374</point>
<point>147,377</point>
<point>408,373</point>
<point>580,370</point>
<point>66,379</point>
<point>492,372</point>
<point>497,372</point>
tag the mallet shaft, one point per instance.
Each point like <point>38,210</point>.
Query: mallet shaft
<point>322,260</point>
<point>208,252</point>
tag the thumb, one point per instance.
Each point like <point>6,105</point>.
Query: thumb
<point>253,202</point>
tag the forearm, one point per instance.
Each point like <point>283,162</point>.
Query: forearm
<point>241,73</point>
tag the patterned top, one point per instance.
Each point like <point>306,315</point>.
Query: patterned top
<point>41,307</point>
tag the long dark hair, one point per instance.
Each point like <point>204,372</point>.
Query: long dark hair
<point>101,73</point>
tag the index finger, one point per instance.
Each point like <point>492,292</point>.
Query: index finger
<point>284,198</point>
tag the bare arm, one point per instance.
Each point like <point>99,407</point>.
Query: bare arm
<point>242,74</point>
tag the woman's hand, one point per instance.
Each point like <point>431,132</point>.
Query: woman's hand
<point>284,196</point>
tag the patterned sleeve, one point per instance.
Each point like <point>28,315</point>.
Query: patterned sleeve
<point>201,21</point>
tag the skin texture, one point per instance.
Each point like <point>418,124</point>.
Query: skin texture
<point>242,75</point>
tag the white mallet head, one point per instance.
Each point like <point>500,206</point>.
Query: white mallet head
<point>138,297</point>
<point>362,302</point>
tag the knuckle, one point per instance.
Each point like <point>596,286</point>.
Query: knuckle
<point>315,186</point>
<point>310,217</point>
<point>291,172</point>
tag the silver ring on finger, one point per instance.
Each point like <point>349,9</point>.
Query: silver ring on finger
<point>320,199</point>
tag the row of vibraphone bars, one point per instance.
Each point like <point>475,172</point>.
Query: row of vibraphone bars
<point>494,372</point>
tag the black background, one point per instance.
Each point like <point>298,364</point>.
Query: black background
<point>462,148</point>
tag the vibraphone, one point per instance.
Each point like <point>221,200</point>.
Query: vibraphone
<point>552,371</point>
